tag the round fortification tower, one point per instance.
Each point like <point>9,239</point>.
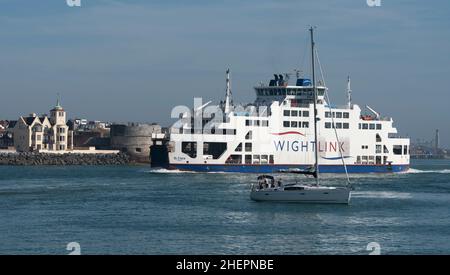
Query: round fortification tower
<point>134,139</point>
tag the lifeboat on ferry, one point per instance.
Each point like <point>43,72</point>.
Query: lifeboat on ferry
<point>367,117</point>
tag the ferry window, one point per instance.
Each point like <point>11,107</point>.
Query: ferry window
<point>214,149</point>
<point>305,124</point>
<point>248,147</point>
<point>359,126</point>
<point>256,123</point>
<point>248,123</point>
<point>377,138</point>
<point>378,149</point>
<point>364,159</point>
<point>358,159</point>
<point>328,125</point>
<point>286,124</point>
<point>378,126</point>
<point>234,159</point>
<point>239,148</point>
<point>271,159</point>
<point>189,148</point>
<point>264,159</point>
<point>365,126</point>
<point>286,113</point>
<point>294,124</point>
<point>294,113</point>
<point>338,115</point>
<point>327,114</point>
<point>265,123</point>
<point>338,125</point>
<point>372,126</point>
<point>248,159</point>
<point>256,159</point>
<point>228,131</point>
<point>385,150</point>
<point>371,159</point>
<point>397,149</point>
<point>345,125</point>
<point>405,150</point>
<point>248,135</point>
<point>346,115</point>
<point>378,160</point>
<point>306,113</point>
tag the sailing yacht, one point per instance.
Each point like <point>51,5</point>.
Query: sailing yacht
<point>270,189</point>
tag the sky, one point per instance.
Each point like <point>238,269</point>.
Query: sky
<point>134,60</point>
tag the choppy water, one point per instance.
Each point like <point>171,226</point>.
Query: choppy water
<point>135,210</point>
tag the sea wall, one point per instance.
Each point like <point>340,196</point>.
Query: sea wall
<point>32,159</point>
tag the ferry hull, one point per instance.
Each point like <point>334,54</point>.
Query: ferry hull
<point>276,168</point>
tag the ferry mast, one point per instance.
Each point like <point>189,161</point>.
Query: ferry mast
<point>228,101</point>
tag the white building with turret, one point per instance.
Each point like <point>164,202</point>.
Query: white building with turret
<point>43,133</point>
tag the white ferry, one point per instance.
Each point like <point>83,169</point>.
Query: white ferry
<point>276,133</point>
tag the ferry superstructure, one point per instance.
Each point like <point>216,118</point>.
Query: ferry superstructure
<point>276,132</point>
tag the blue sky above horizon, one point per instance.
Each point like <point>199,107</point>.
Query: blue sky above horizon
<point>134,60</point>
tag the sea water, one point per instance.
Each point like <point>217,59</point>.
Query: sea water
<point>138,210</point>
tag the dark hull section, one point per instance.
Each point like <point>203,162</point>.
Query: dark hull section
<point>276,168</point>
<point>159,156</point>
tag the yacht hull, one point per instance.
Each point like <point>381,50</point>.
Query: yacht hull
<point>313,195</point>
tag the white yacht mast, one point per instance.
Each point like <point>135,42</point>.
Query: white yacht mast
<point>316,151</point>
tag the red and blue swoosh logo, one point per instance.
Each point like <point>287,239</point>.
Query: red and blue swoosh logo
<point>288,133</point>
<point>336,158</point>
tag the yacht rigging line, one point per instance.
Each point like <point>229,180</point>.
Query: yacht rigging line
<point>332,117</point>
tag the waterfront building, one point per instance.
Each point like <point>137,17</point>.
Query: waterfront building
<point>43,133</point>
